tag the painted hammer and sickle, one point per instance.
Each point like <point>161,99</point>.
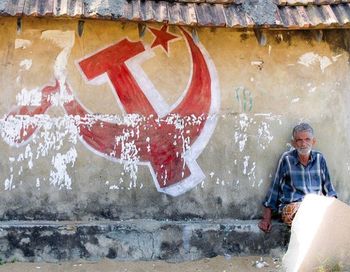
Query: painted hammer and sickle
<point>158,142</point>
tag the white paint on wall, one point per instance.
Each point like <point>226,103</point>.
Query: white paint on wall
<point>65,40</point>
<point>28,155</point>
<point>26,64</point>
<point>335,58</point>
<point>240,134</point>
<point>38,183</point>
<point>29,97</point>
<point>22,44</point>
<point>47,143</point>
<point>245,164</point>
<point>256,62</point>
<point>59,176</point>
<point>310,58</point>
<point>8,183</point>
<point>324,63</point>
<point>295,100</point>
<point>264,135</point>
<point>312,90</point>
<point>251,173</point>
<point>148,88</point>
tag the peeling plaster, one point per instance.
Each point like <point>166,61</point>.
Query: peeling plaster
<point>64,40</point>
<point>310,58</point>
<point>264,135</point>
<point>60,177</point>
<point>29,97</point>
<point>26,64</point>
<point>22,44</point>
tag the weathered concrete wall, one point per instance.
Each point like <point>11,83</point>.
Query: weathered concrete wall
<point>136,240</point>
<point>208,116</point>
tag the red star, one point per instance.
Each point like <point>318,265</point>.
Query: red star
<point>162,37</point>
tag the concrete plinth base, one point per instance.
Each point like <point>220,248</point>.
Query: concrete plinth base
<point>136,240</point>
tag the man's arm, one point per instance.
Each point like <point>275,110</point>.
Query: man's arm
<point>327,186</point>
<point>272,198</point>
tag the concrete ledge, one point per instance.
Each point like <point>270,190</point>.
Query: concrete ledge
<point>136,240</point>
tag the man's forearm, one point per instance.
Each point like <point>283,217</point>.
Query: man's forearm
<point>267,214</point>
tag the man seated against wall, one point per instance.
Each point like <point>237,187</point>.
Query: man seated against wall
<point>300,171</point>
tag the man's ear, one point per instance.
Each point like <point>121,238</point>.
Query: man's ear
<point>313,141</point>
<point>293,143</point>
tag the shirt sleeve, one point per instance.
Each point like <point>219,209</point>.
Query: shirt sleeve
<point>272,197</point>
<point>327,186</point>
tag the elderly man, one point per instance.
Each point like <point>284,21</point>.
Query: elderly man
<point>300,171</point>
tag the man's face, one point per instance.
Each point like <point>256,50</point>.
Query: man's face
<point>303,142</point>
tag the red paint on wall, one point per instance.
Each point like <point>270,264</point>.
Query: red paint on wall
<point>159,142</point>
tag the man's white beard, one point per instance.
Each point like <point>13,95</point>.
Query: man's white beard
<point>304,151</point>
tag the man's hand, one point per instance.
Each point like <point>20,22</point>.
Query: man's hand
<point>265,223</point>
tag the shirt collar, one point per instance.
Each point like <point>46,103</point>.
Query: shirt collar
<point>296,159</point>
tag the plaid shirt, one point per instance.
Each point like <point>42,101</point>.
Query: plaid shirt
<point>293,180</point>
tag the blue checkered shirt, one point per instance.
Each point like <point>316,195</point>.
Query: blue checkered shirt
<point>293,180</point>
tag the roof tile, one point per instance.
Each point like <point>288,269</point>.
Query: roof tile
<point>294,14</point>
<point>38,7</point>
<point>14,7</point>
<point>233,19</point>
<point>178,14</point>
<point>315,16</point>
<point>342,13</point>
<point>329,15</point>
<point>303,16</point>
<point>205,13</point>
<point>72,8</point>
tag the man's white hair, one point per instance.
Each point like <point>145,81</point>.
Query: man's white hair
<point>302,127</point>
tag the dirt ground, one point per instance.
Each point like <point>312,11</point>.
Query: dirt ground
<point>217,264</point>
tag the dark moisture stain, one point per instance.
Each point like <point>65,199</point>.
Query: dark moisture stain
<point>13,238</point>
<point>338,40</point>
<point>34,214</point>
<point>219,201</point>
<point>199,233</point>
<point>244,37</point>
<point>308,36</point>
<point>178,216</point>
<point>112,253</point>
<point>278,38</point>
<point>232,248</point>
<point>209,243</point>
<point>170,250</point>
<point>287,37</point>
<point>106,213</point>
<point>171,227</point>
<point>27,251</point>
